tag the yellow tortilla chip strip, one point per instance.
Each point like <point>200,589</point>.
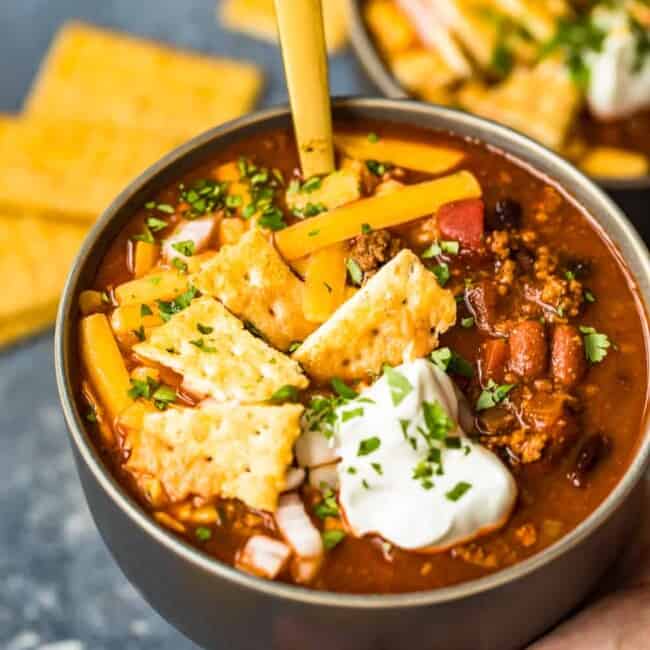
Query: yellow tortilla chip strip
<point>400,311</point>
<point>240,452</point>
<point>107,76</point>
<point>257,19</point>
<point>217,357</point>
<point>540,102</point>
<point>254,283</point>
<point>35,257</point>
<point>72,169</point>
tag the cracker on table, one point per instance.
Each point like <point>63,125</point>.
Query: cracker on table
<point>254,283</point>
<point>241,452</point>
<point>400,310</point>
<point>257,19</point>
<point>35,257</point>
<point>220,358</point>
<point>72,169</point>
<point>97,74</point>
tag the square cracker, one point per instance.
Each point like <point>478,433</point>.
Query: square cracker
<point>540,102</point>
<point>240,452</point>
<point>93,73</point>
<point>257,19</point>
<point>228,363</point>
<point>35,257</point>
<point>402,309</point>
<point>253,281</point>
<point>72,169</point>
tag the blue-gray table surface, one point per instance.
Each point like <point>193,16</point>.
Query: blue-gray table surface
<point>59,588</point>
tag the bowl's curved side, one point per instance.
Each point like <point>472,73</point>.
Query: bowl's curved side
<point>380,75</point>
<point>152,556</point>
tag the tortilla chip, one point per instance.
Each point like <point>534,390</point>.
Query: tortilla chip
<point>227,362</point>
<point>72,169</point>
<point>400,311</point>
<point>253,281</point>
<point>35,256</point>
<point>92,73</point>
<point>518,103</point>
<point>241,452</point>
<point>257,19</point>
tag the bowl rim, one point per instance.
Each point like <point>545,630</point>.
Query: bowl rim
<point>88,454</point>
<point>379,74</point>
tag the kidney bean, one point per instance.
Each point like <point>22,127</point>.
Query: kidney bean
<point>568,362</point>
<point>507,215</point>
<point>493,360</point>
<point>528,349</point>
<point>591,452</point>
<point>463,221</point>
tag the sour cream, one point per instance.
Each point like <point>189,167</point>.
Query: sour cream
<point>616,88</point>
<point>384,444</point>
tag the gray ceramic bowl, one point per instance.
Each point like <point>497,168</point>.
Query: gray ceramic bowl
<point>632,193</point>
<point>219,607</point>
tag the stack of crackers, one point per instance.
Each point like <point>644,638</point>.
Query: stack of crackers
<point>103,108</point>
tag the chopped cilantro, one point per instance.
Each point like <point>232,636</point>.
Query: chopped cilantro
<point>441,271</point>
<point>589,296</point>
<point>351,414</point>
<point>203,196</point>
<point>398,384</point>
<point>168,308</point>
<point>294,346</point>
<point>140,333</point>
<point>368,446</point>
<point>354,271</point>
<point>596,344</point>
<point>366,228</point>
<point>312,184</point>
<point>155,225</point>
<point>145,236</point>
<point>492,395</point>
<point>163,396</point>
<point>449,361</point>
<point>450,247</point>
<point>373,137</point>
<point>272,218</point>
<point>351,470</point>
<point>145,310</point>
<point>178,263</point>
<point>327,507</point>
<point>332,538</point>
<point>438,423</point>
<point>203,346</point>
<point>204,329</point>
<point>467,323</point>
<point>453,443</point>
<point>378,468</point>
<point>203,534</point>
<point>287,393</point>
<point>460,489</point>
<point>502,60</point>
<point>377,168</point>
<point>234,201</point>
<point>91,415</point>
<point>342,389</point>
<point>184,247</point>
<point>365,484</point>
<point>432,251</point>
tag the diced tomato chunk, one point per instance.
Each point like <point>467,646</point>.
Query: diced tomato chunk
<point>493,360</point>
<point>463,221</point>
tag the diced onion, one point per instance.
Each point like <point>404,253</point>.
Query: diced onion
<point>294,478</point>
<point>198,231</point>
<point>325,474</point>
<point>263,556</point>
<point>296,527</point>
<point>313,449</point>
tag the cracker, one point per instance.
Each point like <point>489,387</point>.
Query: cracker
<point>401,310</point>
<point>226,363</point>
<point>107,76</point>
<point>518,103</point>
<point>253,281</point>
<point>35,256</point>
<point>241,452</point>
<point>257,19</point>
<point>72,169</point>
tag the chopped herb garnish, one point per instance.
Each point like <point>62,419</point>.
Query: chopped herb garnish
<point>105,298</point>
<point>204,329</point>
<point>312,184</point>
<point>332,538</point>
<point>342,389</point>
<point>377,168</point>
<point>163,396</point>
<point>453,443</point>
<point>328,506</point>
<point>354,271</point>
<point>140,333</point>
<point>287,393</point>
<point>150,389</point>
<point>398,384</point>
<point>155,280</point>
<point>179,264</point>
<point>460,489</point>
<point>294,346</point>
<point>366,228</point>
<point>351,414</point>
<point>441,271</point>
<point>203,346</point>
<point>351,470</point>
<point>155,224</point>
<point>168,308</point>
<point>502,60</point>
<point>145,236</point>
<point>432,251</point>
<point>373,137</point>
<point>203,534</point>
<point>313,233</point>
<point>451,362</point>
<point>492,395</point>
<point>365,484</point>
<point>569,275</point>
<point>145,310</point>
<point>233,201</point>
<point>377,467</point>
<point>165,207</point>
<point>184,247</point>
<point>589,296</point>
<point>368,446</point>
<point>438,423</point>
<point>91,415</point>
<point>596,344</point>
<point>272,218</point>
<point>468,322</point>
<point>203,196</point>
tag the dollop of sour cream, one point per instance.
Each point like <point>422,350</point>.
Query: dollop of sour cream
<point>620,82</point>
<point>408,472</point>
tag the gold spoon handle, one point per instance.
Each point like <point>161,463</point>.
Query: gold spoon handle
<point>302,38</point>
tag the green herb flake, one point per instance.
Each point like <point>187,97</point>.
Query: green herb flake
<point>313,233</point>
<point>492,395</point>
<point>398,384</point>
<point>596,344</point>
<point>91,415</point>
<point>342,389</point>
<point>168,308</point>
<point>184,247</point>
<point>287,393</point>
<point>332,538</point>
<point>203,534</point>
<point>441,271</point>
<point>203,346</point>
<point>467,323</point>
<point>354,271</point>
<point>139,333</point>
<point>373,138</point>
<point>156,225</point>
<point>351,470</point>
<point>451,362</point>
<point>351,414</point>
<point>450,247</point>
<point>378,468</point>
<point>589,296</point>
<point>312,184</point>
<point>459,490</point>
<point>179,264</point>
<point>204,329</point>
<point>294,346</point>
<point>145,236</point>
<point>145,310</point>
<point>366,228</point>
<point>368,446</point>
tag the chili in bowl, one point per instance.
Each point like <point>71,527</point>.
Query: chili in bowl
<point>415,385</point>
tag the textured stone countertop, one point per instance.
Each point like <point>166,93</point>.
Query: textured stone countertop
<point>59,588</point>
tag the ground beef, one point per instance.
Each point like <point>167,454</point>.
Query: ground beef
<point>373,250</point>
